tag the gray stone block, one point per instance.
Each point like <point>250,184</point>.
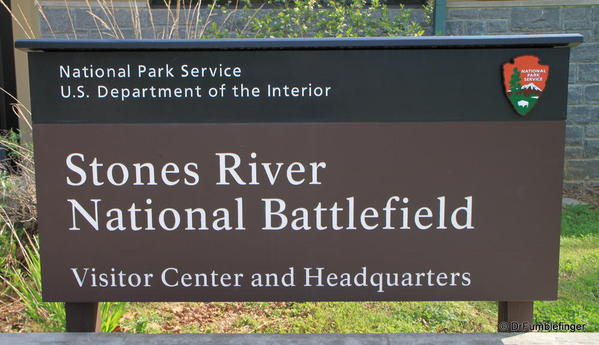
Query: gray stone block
<point>85,20</point>
<point>150,32</point>
<point>58,36</point>
<point>131,18</point>
<point>470,13</point>
<point>96,34</point>
<point>454,28</point>
<point>588,72</point>
<point>583,114</point>
<point>574,135</point>
<point>595,15</point>
<point>495,13</point>
<point>591,94</point>
<point>576,13</point>
<point>180,32</point>
<point>144,17</point>
<point>582,169</point>
<point>85,34</point>
<point>572,184</point>
<point>499,26</point>
<point>123,18</point>
<point>591,148</point>
<point>535,19</point>
<point>185,31</point>
<point>127,33</point>
<point>573,152</point>
<point>592,131</point>
<point>572,202</point>
<point>45,28</point>
<point>572,73</point>
<point>102,33</point>
<point>474,27</point>
<point>577,24</point>
<point>575,94</point>
<point>585,52</point>
<point>160,17</point>
<point>160,31</point>
<point>587,35</point>
<point>59,21</point>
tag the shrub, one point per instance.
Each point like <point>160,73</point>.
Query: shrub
<point>271,19</point>
<point>310,18</point>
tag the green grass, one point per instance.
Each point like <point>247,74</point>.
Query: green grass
<point>578,303</point>
<point>383,317</point>
<point>579,272</point>
<point>579,221</point>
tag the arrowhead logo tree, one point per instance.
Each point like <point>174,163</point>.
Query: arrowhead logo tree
<point>524,82</point>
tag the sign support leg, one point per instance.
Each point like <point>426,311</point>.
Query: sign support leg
<point>514,316</point>
<point>83,317</point>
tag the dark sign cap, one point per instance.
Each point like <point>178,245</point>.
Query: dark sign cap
<point>554,40</point>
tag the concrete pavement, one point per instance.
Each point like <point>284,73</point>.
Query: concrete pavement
<point>301,339</point>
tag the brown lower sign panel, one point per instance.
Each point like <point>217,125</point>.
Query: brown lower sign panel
<point>244,212</point>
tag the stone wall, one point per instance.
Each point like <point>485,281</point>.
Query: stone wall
<point>582,134</point>
<point>582,137</point>
<point>143,22</point>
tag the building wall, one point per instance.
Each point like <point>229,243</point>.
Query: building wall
<point>137,22</point>
<point>582,133</point>
<point>463,18</point>
<point>28,10</point>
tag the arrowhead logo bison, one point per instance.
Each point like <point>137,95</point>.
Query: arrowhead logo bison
<point>524,82</point>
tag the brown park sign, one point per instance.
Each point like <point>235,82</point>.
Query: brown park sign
<point>392,169</point>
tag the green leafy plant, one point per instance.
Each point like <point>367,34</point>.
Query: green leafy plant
<point>429,10</point>
<point>24,281</point>
<point>580,220</point>
<point>20,266</point>
<point>311,18</point>
<point>111,314</point>
<point>239,19</point>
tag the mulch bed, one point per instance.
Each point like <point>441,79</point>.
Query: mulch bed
<point>588,195</point>
<point>12,317</point>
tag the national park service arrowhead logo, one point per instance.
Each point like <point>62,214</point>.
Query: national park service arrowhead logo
<point>524,82</point>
